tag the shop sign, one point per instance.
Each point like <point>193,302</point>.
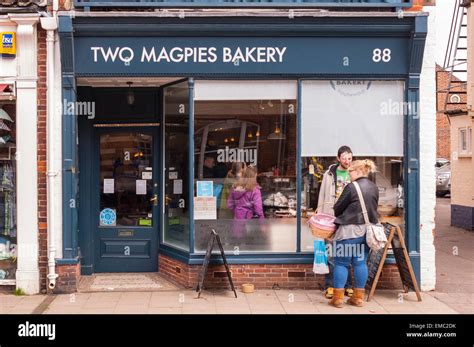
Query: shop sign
<point>8,47</point>
<point>262,55</point>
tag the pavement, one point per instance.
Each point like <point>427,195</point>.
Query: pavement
<point>454,291</point>
<point>216,302</point>
<point>454,261</point>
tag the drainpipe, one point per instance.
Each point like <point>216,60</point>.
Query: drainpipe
<point>51,25</point>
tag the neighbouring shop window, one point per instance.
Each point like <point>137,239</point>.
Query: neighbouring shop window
<point>245,165</point>
<point>368,117</point>
<point>176,144</point>
<point>8,227</point>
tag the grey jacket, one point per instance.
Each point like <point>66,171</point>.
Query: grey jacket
<point>327,191</point>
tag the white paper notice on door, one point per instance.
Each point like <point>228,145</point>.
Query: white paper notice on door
<point>178,187</point>
<point>108,185</point>
<point>141,187</point>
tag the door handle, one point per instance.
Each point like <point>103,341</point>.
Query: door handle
<point>154,199</point>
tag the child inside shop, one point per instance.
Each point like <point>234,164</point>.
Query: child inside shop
<point>245,198</point>
<point>233,175</point>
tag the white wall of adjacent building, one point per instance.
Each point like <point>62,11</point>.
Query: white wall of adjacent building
<point>428,157</point>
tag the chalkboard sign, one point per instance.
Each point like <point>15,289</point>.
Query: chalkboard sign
<point>403,263</point>
<point>376,261</point>
<point>213,237</point>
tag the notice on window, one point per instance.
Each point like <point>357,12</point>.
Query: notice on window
<point>141,187</point>
<point>204,189</point>
<point>173,175</point>
<point>178,187</point>
<point>108,185</point>
<point>147,175</point>
<point>205,208</point>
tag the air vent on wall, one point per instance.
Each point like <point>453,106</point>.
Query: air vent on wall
<point>455,99</point>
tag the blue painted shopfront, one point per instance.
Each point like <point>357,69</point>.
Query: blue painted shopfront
<point>245,3</point>
<point>298,49</point>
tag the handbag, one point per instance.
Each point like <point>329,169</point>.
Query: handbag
<point>375,236</point>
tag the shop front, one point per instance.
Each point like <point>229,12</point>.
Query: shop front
<point>171,110</point>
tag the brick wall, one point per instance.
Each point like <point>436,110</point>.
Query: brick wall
<point>68,278</point>
<point>443,135</point>
<point>263,276</point>
<point>42,198</point>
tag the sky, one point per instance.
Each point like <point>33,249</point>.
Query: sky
<point>444,14</point>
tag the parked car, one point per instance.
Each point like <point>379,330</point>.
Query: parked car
<point>441,162</point>
<point>443,179</point>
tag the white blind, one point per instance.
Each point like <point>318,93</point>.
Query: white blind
<point>364,115</point>
<point>244,90</point>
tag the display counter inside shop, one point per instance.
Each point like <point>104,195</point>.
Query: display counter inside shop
<point>278,196</point>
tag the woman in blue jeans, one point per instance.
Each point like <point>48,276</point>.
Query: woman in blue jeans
<point>349,243</point>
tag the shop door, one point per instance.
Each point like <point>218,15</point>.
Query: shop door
<point>126,199</point>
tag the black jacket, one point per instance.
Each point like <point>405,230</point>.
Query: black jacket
<point>348,209</point>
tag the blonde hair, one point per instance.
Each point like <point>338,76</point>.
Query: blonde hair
<point>248,180</point>
<point>366,166</point>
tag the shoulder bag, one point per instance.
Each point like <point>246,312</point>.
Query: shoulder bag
<point>375,236</point>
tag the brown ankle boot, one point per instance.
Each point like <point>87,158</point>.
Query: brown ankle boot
<point>358,298</point>
<point>338,298</point>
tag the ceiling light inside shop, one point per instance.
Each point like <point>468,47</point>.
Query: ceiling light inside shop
<point>276,134</point>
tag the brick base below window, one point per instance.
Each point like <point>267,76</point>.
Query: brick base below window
<point>68,278</point>
<point>263,276</point>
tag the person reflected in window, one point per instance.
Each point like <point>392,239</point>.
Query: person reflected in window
<point>208,168</point>
<point>233,175</point>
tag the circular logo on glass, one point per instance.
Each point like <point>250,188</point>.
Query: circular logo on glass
<point>108,217</point>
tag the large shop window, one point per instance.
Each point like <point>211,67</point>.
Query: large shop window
<point>8,230</point>
<point>176,144</point>
<point>245,165</point>
<point>368,117</point>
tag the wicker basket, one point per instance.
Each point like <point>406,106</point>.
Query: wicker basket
<point>322,226</point>
<point>322,233</point>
